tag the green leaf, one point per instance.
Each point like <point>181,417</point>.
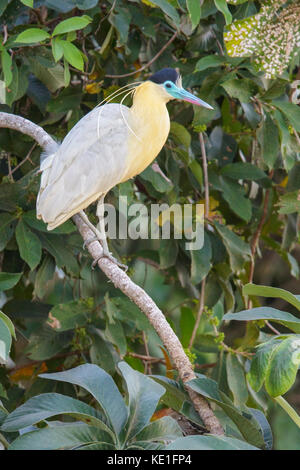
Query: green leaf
<point>168,250</point>
<point>52,77</point>
<point>223,7</point>
<point>246,425</point>
<point>29,245</point>
<point>9,280</point>
<point>32,35</point>
<point>260,364</point>
<point>242,89</point>
<point>5,340</point>
<point>194,9</point>
<point>274,292</point>
<point>159,183</point>
<point>28,3</point>
<point>8,323</point>
<point>31,220</point>
<point>201,261</point>
<point>197,171</point>
<point>180,134</point>
<point>72,24</point>
<point>47,405</point>
<point>144,394</point>
<point>245,171</point>
<point>72,54</point>
<point>70,315</point>
<point>164,429</point>
<point>266,313</point>
<point>6,62</point>
<point>209,61</point>
<point>236,380</point>
<point>289,203</point>
<point>239,251</point>
<point>234,195</point>
<point>168,9</point>
<point>57,49</point>
<point>209,443</point>
<point>96,381</point>
<point>4,4</point>
<point>283,366</point>
<point>7,228</point>
<point>291,111</point>
<point>65,436</point>
<point>120,19</point>
<point>268,137</point>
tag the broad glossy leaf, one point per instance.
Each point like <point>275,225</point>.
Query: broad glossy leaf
<point>32,35</point>
<point>47,405</point>
<point>264,426</point>
<point>260,364</point>
<point>29,245</point>
<point>242,89</point>
<point>291,111</point>
<point>238,250</point>
<point>70,315</point>
<point>72,24</point>
<point>37,224</point>
<point>274,292</point>
<point>245,171</point>
<point>246,425</point>
<point>266,313</point>
<point>72,54</point>
<point>236,380</point>
<point>5,340</point>
<point>201,261</point>
<point>283,366</point>
<point>209,61</point>
<point>66,436</point>
<point>120,19</point>
<point>8,323</point>
<point>165,429</point>
<point>194,9</point>
<point>7,228</point>
<point>144,394</point>
<point>223,7</point>
<point>268,137</point>
<point>6,62</point>
<point>209,443</point>
<point>9,280</point>
<point>96,381</point>
<point>168,9</point>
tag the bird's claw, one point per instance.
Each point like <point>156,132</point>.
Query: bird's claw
<point>89,241</point>
<point>111,258</point>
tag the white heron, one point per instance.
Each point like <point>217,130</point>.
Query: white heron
<point>108,146</point>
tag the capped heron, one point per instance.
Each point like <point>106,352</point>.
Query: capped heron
<point>108,146</point>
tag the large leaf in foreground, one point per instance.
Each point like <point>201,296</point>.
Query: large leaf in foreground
<point>45,406</point>
<point>209,443</point>
<point>96,381</point>
<point>144,394</point>
<point>67,436</point>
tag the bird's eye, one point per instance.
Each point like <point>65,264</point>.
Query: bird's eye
<point>168,85</point>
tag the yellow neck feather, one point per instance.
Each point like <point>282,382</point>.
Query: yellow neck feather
<point>150,123</point>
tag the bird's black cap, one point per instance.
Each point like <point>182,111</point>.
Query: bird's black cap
<point>163,75</point>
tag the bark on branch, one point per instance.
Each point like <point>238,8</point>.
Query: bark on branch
<point>129,288</point>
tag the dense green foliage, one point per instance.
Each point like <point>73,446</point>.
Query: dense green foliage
<point>60,59</point>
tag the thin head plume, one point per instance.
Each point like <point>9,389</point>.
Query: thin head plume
<point>107,100</point>
<point>118,92</point>
<point>124,119</point>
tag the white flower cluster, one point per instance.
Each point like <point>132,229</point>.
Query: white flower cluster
<point>272,36</point>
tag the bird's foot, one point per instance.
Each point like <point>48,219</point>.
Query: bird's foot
<point>111,258</point>
<point>89,241</point>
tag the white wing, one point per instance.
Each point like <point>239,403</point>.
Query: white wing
<point>89,162</point>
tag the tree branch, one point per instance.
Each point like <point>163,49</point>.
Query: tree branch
<point>129,288</point>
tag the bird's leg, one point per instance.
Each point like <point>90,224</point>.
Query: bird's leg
<point>101,230</point>
<point>99,235</point>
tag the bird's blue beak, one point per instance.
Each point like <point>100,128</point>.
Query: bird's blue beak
<point>182,94</point>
